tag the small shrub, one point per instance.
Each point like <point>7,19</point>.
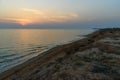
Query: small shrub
<point>79,63</point>
<point>49,64</point>
<point>101,69</point>
<point>60,59</point>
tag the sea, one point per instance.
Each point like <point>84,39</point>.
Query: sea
<point>20,45</point>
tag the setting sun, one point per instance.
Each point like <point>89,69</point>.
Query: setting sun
<point>24,22</point>
<point>27,16</point>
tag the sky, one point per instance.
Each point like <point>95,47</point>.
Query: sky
<point>59,14</point>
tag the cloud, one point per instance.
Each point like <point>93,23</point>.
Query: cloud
<point>33,16</point>
<point>16,20</point>
<point>75,15</point>
<point>32,11</point>
<point>7,20</point>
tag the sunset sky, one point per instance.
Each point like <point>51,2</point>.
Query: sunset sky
<point>59,13</point>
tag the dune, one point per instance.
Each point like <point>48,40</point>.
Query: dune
<point>95,57</point>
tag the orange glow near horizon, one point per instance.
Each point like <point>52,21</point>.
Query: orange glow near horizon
<point>36,13</point>
<point>24,22</point>
<point>27,16</point>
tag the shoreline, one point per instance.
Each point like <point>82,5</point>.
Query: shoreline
<point>56,52</point>
<point>24,64</point>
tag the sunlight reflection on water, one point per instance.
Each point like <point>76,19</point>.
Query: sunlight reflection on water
<point>17,46</point>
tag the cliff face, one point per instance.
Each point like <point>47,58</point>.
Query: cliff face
<point>93,58</point>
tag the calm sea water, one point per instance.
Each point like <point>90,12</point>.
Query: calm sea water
<point>18,46</point>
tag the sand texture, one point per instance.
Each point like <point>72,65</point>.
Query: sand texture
<point>96,57</point>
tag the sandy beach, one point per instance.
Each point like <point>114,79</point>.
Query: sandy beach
<point>95,57</point>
